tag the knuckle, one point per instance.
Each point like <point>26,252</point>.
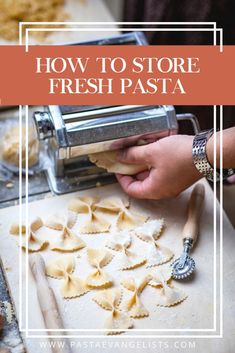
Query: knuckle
<point>148,154</point>
<point>151,150</point>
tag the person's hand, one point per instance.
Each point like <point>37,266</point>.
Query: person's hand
<point>171,168</point>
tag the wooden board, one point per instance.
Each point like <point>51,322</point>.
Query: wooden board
<point>82,313</point>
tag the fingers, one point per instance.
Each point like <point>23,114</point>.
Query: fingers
<point>139,186</point>
<point>134,188</point>
<point>142,175</point>
<point>135,155</point>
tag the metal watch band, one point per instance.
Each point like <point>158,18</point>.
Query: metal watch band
<point>199,154</point>
<point>200,157</point>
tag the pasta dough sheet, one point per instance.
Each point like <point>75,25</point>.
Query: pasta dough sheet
<point>108,160</point>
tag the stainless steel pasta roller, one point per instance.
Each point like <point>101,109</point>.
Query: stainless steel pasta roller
<point>185,265</point>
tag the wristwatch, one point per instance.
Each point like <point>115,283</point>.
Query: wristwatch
<point>200,157</point>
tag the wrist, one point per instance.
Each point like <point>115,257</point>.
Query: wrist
<point>210,151</point>
<point>194,171</point>
<point>228,149</point>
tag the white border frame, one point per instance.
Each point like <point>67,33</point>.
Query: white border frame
<point>27,330</point>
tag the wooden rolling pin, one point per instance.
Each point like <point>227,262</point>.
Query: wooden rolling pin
<point>47,302</point>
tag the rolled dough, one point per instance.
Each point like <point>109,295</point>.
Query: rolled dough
<point>108,160</point>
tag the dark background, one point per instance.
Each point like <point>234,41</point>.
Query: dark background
<point>220,11</point>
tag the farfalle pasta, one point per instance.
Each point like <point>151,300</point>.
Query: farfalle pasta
<point>63,268</point>
<point>34,243</point>
<point>126,219</point>
<point>134,305</point>
<point>128,259</point>
<point>97,215</point>
<point>112,204</point>
<point>118,321</point>
<point>99,258</point>
<point>167,295</point>
<point>156,253</point>
<point>69,240</point>
<point>90,222</point>
<point>152,229</point>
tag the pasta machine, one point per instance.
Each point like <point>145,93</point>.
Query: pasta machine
<point>72,132</point>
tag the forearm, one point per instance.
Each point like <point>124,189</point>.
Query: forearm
<point>228,148</point>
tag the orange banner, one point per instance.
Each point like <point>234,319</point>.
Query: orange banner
<point>90,75</point>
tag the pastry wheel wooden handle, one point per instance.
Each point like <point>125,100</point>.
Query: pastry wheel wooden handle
<point>191,228</point>
<point>47,301</point>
